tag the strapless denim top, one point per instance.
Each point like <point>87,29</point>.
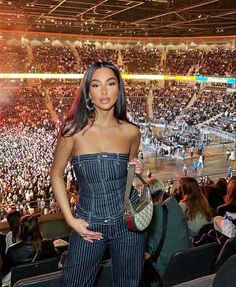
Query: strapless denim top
<point>102,181</point>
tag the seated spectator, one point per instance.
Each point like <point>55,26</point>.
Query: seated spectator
<point>13,236</point>
<point>230,200</point>
<point>213,196</point>
<point>32,246</point>
<point>176,238</point>
<point>194,205</point>
<point>221,185</point>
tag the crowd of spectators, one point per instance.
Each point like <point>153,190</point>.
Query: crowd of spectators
<point>169,103</point>
<point>89,55</point>
<point>137,95</point>
<point>179,62</point>
<point>208,105</point>
<point>225,123</point>
<point>145,61</point>
<point>28,130</point>
<point>54,59</point>
<point>217,62</point>
<point>26,149</point>
<point>64,59</point>
<point>14,58</point>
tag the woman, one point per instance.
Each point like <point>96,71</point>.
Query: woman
<point>230,200</point>
<point>100,142</point>
<point>31,248</point>
<point>194,205</point>
<point>32,245</point>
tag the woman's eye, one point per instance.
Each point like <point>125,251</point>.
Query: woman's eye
<point>112,84</point>
<point>94,85</point>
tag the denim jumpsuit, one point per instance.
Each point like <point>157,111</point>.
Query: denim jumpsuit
<point>102,180</point>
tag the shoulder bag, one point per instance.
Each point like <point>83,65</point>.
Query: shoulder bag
<point>138,218</point>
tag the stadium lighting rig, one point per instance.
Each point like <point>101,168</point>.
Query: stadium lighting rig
<point>124,76</point>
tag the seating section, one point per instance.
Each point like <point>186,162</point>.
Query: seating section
<point>190,264</point>
<point>44,57</point>
<point>205,281</point>
<point>33,269</point>
<point>228,249</point>
<point>226,275</point>
<point>51,279</point>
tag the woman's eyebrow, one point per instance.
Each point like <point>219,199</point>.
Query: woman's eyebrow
<point>112,78</point>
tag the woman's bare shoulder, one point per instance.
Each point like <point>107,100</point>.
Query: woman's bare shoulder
<point>130,128</point>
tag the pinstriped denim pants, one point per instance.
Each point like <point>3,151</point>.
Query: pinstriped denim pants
<point>102,179</point>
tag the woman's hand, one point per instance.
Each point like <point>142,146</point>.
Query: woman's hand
<point>81,227</point>
<point>138,165</point>
<point>146,256</point>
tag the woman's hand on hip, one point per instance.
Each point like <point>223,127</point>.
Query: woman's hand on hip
<point>81,227</point>
<point>138,165</point>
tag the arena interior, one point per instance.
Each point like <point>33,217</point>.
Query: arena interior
<point>178,62</point>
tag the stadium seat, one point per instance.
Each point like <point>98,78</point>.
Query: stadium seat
<point>205,281</point>
<point>228,249</point>
<point>33,268</point>
<point>51,279</point>
<point>226,275</point>
<point>190,264</point>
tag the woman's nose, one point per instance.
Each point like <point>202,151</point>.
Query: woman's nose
<point>104,89</point>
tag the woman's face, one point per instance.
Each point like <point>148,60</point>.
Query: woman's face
<point>104,89</point>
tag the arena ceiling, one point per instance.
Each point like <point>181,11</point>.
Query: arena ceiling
<point>164,18</point>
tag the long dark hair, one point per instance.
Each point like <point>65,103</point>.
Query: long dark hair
<point>231,192</point>
<point>79,115</point>
<point>30,231</point>
<point>194,199</point>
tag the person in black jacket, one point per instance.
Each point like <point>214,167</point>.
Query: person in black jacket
<point>32,246</point>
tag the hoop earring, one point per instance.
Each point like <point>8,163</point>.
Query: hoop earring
<point>89,104</point>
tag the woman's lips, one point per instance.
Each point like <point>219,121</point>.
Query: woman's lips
<point>104,100</point>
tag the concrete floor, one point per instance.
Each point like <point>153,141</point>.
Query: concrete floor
<point>165,167</point>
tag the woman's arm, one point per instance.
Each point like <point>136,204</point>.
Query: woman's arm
<point>61,157</point>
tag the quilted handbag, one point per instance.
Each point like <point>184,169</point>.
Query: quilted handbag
<point>138,218</point>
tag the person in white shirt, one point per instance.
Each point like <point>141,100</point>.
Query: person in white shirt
<point>13,236</point>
